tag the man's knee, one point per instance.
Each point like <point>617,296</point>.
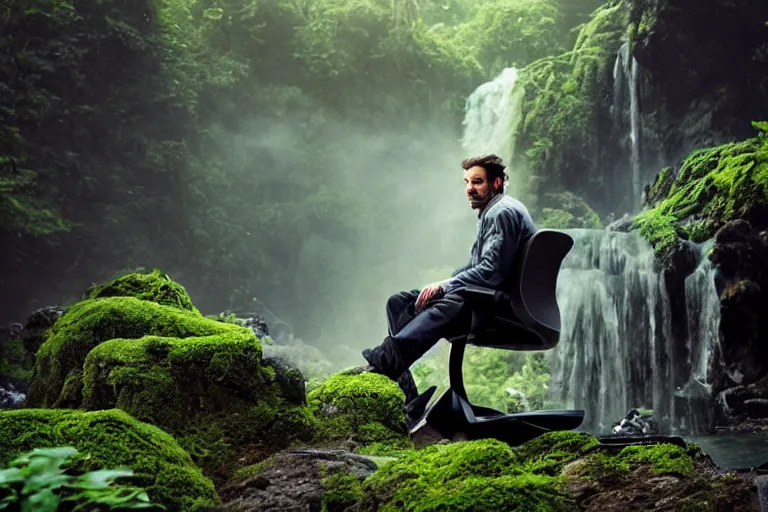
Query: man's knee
<point>401,300</point>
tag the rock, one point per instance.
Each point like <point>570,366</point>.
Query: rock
<point>367,408</point>
<point>299,482</point>
<point>33,332</point>
<point>756,407</point>
<point>113,439</point>
<point>623,225</point>
<point>289,379</point>
<point>201,380</point>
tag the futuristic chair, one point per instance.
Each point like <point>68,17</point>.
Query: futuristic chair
<point>527,319</point>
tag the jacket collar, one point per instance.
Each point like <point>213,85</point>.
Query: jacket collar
<point>495,199</point>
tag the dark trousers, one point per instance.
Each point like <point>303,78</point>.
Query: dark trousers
<point>412,334</point>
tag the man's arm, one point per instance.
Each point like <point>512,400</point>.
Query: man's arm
<point>500,243</point>
<point>460,270</point>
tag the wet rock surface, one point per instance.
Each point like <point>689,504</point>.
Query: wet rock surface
<point>292,482</point>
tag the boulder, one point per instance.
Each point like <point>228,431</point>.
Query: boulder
<point>366,409</point>
<point>312,480</point>
<point>202,380</point>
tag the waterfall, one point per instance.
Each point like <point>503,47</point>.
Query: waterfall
<point>625,79</point>
<point>702,305</point>
<point>615,349</point>
<point>492,115</point>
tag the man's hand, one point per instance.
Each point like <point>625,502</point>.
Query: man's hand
<point>430,292</point>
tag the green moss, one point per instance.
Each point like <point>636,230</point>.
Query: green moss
<point>549,453</point>
<point>466,476</point>
<point>714,185</point>
<point>367,407</point>
<point>13,363</point>
<point>199,379</point>
<point>90,322</point>
<point>561,102</point>
<point>112,439</point>
<point>603,467</point>
<point>566,211</point>
<point>207,390</point>
<point>342,490</point>
<point>395,447</point>
<point>248,471</point>
<point>153,286</point>
<point>664,458</point>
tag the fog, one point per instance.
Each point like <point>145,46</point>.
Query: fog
<point>404,178</point>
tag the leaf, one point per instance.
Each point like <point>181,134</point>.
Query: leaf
<point>11,475</point>
<point>44,501</point>
<point>101,478</point>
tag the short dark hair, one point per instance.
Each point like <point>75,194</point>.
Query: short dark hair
<point>493,164</point>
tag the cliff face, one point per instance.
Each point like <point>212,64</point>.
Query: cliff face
<point>647,82</point>
<point>705,73</point>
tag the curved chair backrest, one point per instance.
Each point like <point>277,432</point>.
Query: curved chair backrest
<point>534,299</point>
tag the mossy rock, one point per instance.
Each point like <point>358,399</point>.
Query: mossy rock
<point>154,286</point>
<point>57,378</point>
<point>665,459</point>
<point>112,439</point>
<point>566,211</point>
<point>713,186</point>
<point>367,407</point>
<point>479,476</point>
<point>199,379</point>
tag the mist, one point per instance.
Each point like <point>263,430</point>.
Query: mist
<point>405,179</point>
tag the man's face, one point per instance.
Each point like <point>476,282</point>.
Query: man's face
<point>479,189</point>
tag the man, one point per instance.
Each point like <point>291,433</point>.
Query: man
<point>419,319</point>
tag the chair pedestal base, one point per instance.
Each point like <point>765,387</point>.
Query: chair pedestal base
<point>452,416</point>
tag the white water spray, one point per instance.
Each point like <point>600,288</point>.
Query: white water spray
<point>492,116</point>
<point>625,78</point>
<point>615,346</point>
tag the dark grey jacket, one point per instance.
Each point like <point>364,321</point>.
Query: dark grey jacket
<point>504,226</point>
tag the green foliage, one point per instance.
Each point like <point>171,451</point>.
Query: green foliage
<point>108,439</point>
<point>548,454</point>
<point>506,33</point>
<point>562,96</point>
<point>566,211</point>
<point>502,379</point>
<point>713,186</point>
<point>39,481</point>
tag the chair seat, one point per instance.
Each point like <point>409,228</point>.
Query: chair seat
<point>503,330</point>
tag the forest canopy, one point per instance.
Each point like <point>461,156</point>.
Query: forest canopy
<point>277,149</point>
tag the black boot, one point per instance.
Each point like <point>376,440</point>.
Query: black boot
<point>386,359</point>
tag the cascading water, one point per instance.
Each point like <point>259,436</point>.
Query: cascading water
<point>703,307</point>
<point>625,80</point>
<point>615,346</point>
<point>492,115</point>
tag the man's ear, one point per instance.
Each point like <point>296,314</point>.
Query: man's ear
<point>498,184</point>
